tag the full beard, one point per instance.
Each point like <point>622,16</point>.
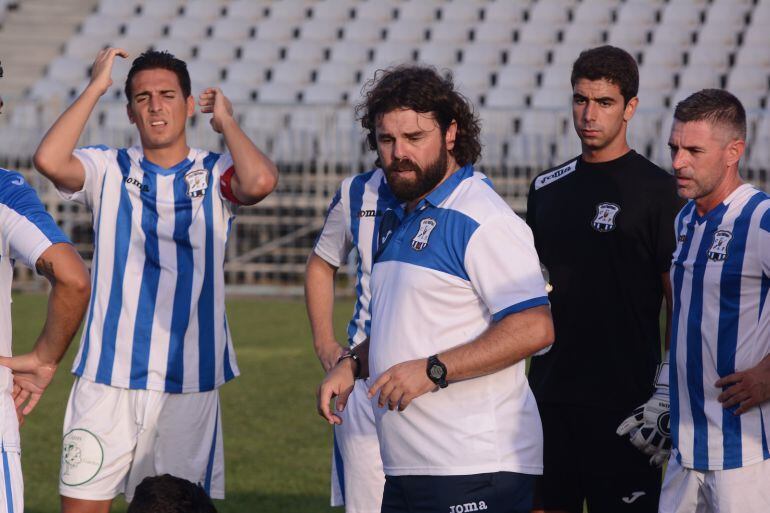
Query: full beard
<point>407,190</point>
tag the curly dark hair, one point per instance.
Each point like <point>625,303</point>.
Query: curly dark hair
<point>423,90</point>
<point>154,59</point>
<point>170,494</point>
<point>610,63</point>
<point>717,106</point>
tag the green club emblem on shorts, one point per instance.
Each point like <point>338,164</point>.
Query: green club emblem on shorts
<point>82,457</point>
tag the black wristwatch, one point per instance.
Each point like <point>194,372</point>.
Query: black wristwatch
<point>348,353</point>
<point>437,371</point>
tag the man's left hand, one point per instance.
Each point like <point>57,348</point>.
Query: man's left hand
<point>746,388</point>
<point>213,101</point>
<point>401,384</point>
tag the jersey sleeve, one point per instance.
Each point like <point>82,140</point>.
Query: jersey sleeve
<point>225,174</point>
<point>664,237</point>
<point>531,206</point>
<point>95,160</point>
<point>335,240</point>
<point>764,242</point>
<point>503,266</point>
<point>28,228</point>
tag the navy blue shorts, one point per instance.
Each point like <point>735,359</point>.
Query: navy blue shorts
<point>498,492</point>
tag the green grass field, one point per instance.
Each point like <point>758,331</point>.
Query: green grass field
<point>277,449</point>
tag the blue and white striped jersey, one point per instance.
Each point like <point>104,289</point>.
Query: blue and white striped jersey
<point>156,319</point>
<point>353,221</point>
<point>720,277</point>
<point>26,231</point>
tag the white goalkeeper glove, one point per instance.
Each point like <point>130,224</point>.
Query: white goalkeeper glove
<point>649,425</point>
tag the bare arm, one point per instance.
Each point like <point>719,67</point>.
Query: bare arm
<point>667,297</point>
<point>319,300</point>
<point>67,301</point>
<point>503,344</point>
<point>338,383</point>
<point>255,175</point>
<point>53,157</point>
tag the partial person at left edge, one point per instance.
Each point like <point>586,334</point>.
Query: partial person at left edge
<point>28,234</point>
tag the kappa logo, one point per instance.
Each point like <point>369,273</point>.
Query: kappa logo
<point>197,182</point>
<point>543,180</point>
<point>420,240</point>
<point>718,250</point>
<point>632,498</point>
<point>468,507</point>
<point>604,221</point>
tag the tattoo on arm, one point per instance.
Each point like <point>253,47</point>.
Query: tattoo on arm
<point>45,268</point>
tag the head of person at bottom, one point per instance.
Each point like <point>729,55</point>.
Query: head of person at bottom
<point>170,494</point>
<point>421,127</point>
<point>605,82</point>
<point>707,141</point>
<point>160,100</point>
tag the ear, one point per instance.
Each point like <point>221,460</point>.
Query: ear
<point>734,151</point>
<point>130,114</point>
<point>630,109</point>
<point>451,135</point>
<point>190,106</point>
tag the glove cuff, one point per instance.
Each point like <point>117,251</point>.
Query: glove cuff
<point>662,375</point>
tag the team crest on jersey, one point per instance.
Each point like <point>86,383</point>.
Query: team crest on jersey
<point>718,250</point>
<point>604,221</point>
<point>82,457</point>
<point>197,182</point>
<point>420,240</point>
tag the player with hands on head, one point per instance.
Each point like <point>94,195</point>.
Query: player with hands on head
<point>457,304</point>
<point>30,236</point>
<point>156,345</point>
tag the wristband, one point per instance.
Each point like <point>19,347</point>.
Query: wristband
<point>662,374</point>
<point>356,362</point>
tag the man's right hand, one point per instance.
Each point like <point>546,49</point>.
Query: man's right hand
<point>337,383</point>
<point>649,427</point>
<point>101,71</point>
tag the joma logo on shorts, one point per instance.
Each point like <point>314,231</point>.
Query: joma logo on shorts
<point>468,507</point>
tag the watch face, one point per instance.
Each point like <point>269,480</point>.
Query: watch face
<point>436,372</point>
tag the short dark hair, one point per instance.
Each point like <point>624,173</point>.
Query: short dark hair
<point>169,494</point>
<point>154,59</point>
<point>610,63</point>
<point>717,106</point>
<point>421,89</point>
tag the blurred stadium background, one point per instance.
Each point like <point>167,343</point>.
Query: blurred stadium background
<point>294,69</point>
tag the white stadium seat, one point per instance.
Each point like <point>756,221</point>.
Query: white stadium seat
<point>217,50</point>
<point>204,9</point>
<point>337,74</point>
<point>424,10</point>
<point>85,46</point>
<point>593,13</point>
<point>451,32</point>
<point>324,31</point>
<point>363,31</point>
<point>662,56</point>
<point>289,10</point>
<point>516,77</point>
<point>133,45</point>
<point>180,48</point>
<point>629,37</point>
<point>393,51</point>
<point>102,25</point>
<point>438,54</point>
<point>714,33</point>
<point>246,10</point>
<point>474,77</point>
<point>322,94</point>
<point>672,36</point>
<point>713,56</point>
<point>728,14</point>
<point>583,35</point>
<point>695,78</point>
<point>527,54</point>
<point>493,31</point>
<point>682,14</point>
<point>553,98</point>
<point>483,53</point>
<point>290,73</point>
<point>556,76</point>
<point>270,31</point>
<point>631,14</point>
<point>261,51</point>
<point>165,9</point>
<point>342,51</point>
<point>333,10</point>
<point>460,11</point>
<point>188,29</point>
<point>277,93</point>
<point>141,26</point>
<point>537,34</point>
<point>47,89</point>
<point>246,72</point>
<point>504,98</point>
<point>376,10</point>
<point>118,8</point>
<point>505,11</point>
<point>301,51</point>
<point>749,77</point>
<point>68,70</point>
<point>654,78</point>
<point>205,72</point>
<point>232,29</point>
<point>549,13</point>
<point>407,31</point>
<point>565,54</point>
<point>239,92</point>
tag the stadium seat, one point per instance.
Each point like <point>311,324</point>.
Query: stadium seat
<point>246,10</point>
<point>165,9</point>
<point>438,54</point>
<point>728,14</point>
<point>653,100</point>
<point>653,78</point>
<point>553,98</point>
<point>239,92</point>
<point>376,10</point>
<point>344,52</point>
<point>322,94</point>
<point>301,51</point>
<point>565,54</point>
<point>229,29</point>
<point>207,73</point>
<point>25,115</point>
<point>504,98</point>
<point>597,13</point>
<point>695,78</point>
<point>337,74</point>
<point>556,76</point>
<point>134,46</point>
<point>662,56</point>
<point>393,52</point>
<point>290,73</point>
<point>180,48</point>
<point>143,27</point>
<point>407,31</point>
<point>554,13</point>
<point>188,29</point>
<point>203,9</point>
<point>516,77</point>
<point>583,35</point>
<point>750,98</point>
<point>544,122</point>
<point>450,32</point>
<point>682,14</point>
<point>756,36</point>
<point>636,14</point>
<point>68,70</point>
<point>483,53</point>
<point>323,31</point>
<point>527,54</point>
<point>631,38</point>
<point>714,33</point>
<point>85,46</point>
<point>505,11</point>
<point>113,116</point>
<point>472,77</point>
<point>47,89</point>
<point>217,50</point>
<point>714,56</point>
<point>289,10</point>
<point>424,10</point>
<point>536,34</point>
<point>460,11</point>
<point>749,77</point>
<point>333,10</point>
<point>246,72</point>
<point>117,8</point>
<point>278,93</point>
<point>102,25</point>
<point>363,31</point>
<point>271,31</point>
<point>672,36</point>
<point>493,31</point>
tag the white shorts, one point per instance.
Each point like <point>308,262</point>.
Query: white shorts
<point>744,490</point>
<point>357,476</point>
<point>115,437</point>
<point>11,482</point>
